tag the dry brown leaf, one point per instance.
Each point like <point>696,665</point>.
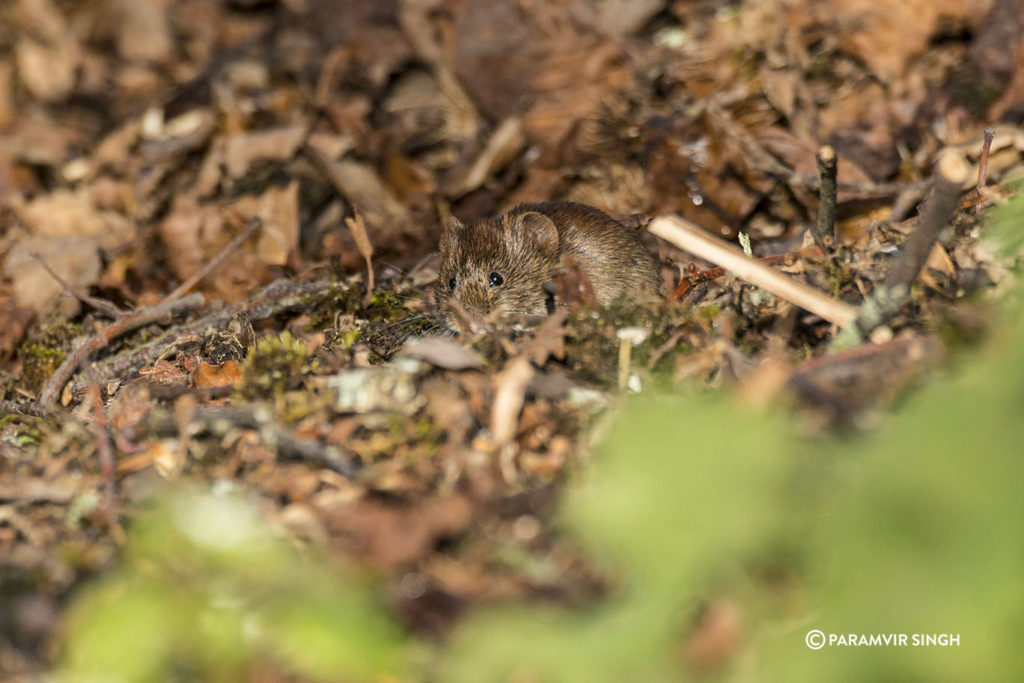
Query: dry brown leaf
<point>48,55</point>
<point>362,240</point>
<point>939,270</point>
<point>114,149</point>
<point>501,149</point>
<point>887,35</point>
<point>76,259</point>
<point>385,216</point>
<point>619,18</point>
<point>15,319</point>
<point>243,149</point>
<point>186,232</point>
<point>73,213</point>
<point>279,210</point>
<point>225,374</point>
<point>144,31</point>
<point>332,146</point>
<point>443,352</point>
<point>164,372</point>
<point>7,105</point>
<point>158,454</point>
<point>37,139</point>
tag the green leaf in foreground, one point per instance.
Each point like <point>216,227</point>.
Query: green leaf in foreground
<point>913,530</point>
<point>210,591</point>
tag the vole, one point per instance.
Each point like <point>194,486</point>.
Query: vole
<point>498,267</point>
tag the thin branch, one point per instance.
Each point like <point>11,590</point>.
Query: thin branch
<point>692,239</point>
<point>695,278</point>
<point>951,174</point>
<point>105,450</point>
<point>97,303</point>
<point>217,420</point>
<point>254,224</point>
<point>824,229</point>
<point>986,149</point>
<point>276,298</point>
<point>28,409</point>
<point>122,325</point>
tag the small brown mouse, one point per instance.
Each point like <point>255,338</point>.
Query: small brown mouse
<point>499,266</point>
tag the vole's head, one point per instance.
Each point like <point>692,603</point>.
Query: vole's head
<point>496,268</point>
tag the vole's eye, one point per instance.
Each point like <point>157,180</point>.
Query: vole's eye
<point>451,284</point>
<point>496,280</point>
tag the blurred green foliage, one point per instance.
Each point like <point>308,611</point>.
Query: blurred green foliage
<point>1005,224</point>
<point>914,529</point>
<point>208,590</point>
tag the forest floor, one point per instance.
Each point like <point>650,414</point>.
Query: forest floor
<point>301,161</point>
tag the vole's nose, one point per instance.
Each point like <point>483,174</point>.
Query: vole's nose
<point>468,310</point>
<point>475,302</point>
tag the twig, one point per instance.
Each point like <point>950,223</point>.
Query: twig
<point>28,409</point>
<point>692,239</point>
<point>690,281</point>
<point>124,324</point>
<point>218,420</point>
<point>951,173</point>
<point>276,298</point>
<point>97,303</point>
<point>986,149</point>
<point>824,229</point>
<point>105,452</point>
<point>255,223</point>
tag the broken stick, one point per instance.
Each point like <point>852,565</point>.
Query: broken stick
<point>693,239</point>
<point>824,229</point>
<point>951,174</point>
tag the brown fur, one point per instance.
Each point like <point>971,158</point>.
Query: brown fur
<point>525,246</point>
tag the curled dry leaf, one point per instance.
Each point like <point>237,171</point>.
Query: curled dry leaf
<point>242,150</point>
<point>362,240</point>
<point>373,200</point>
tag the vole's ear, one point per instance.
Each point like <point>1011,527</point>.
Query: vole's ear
<point>449,237</point>
<point>540,231</point>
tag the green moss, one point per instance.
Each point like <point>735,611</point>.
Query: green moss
<point>274,365</point>
<point>344,297</point>
<point>344,339</point>
<point>38,364</point>
<point>387,306</point>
